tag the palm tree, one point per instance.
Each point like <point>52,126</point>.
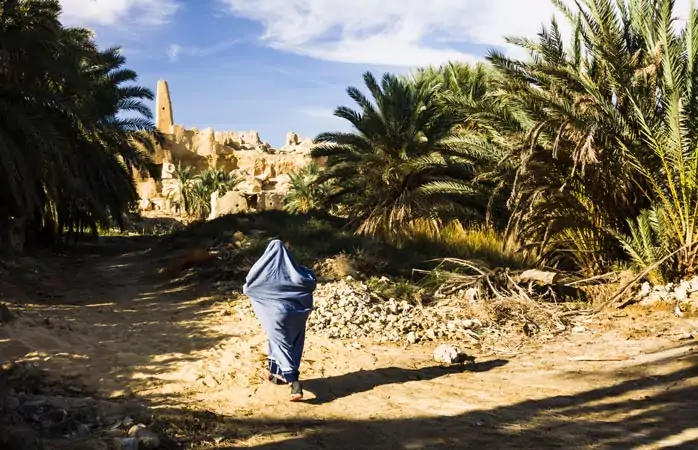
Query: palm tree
<point>126,121</point>
<point>35,120</point>
<point>485,127</point>
<point>460,80</point>
<point>65,158</point>
<point>669,129</point>
<point>185,179</point>
<point>305,193</point>
<point>194,191</point>
<point>401,164</point>
<point>606,129</point>
<point>200,200</point>
<point>208,182</point>
<point>123,135</point>
<point>217,180</point>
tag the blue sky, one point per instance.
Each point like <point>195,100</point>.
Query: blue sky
<point>284,65</point>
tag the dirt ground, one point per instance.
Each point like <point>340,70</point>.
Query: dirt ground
<point>110,320</point>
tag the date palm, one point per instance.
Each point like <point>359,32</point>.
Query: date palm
<point>65,152</point>
<point>485,126</point>
<point>401,163</point>
<point>305,194</point>
<point>607,131</point>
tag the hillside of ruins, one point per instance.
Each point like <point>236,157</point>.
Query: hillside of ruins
<point>264,170</point>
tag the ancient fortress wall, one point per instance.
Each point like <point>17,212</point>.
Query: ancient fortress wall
<point>264,169</point>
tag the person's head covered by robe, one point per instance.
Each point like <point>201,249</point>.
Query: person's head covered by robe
<point>277,277</point>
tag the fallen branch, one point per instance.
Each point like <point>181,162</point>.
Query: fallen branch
<point>632,282</point>
<point>597,359</point>
<point>594,278</point>
<point>578,312</point>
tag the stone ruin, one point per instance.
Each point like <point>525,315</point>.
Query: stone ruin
<point>265,170</point>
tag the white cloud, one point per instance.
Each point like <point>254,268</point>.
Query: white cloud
<point>394,32</point>
<point>118,13</point>
<point>317,112</point>
<point>174,51</point>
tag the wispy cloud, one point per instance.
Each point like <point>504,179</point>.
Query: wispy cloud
<point>395,32</point>
<point>317,112</point>
<point>175,51</point>
<point>119,13</point>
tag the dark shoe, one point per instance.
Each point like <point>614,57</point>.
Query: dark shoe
<point>296,391</point>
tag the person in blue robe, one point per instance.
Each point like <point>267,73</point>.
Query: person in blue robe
<point>281,292</point>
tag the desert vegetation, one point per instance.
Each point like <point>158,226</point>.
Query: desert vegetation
<point>193,191</point>
<point>584,152</point>
<point>582,155</point>
<point>578,158</point>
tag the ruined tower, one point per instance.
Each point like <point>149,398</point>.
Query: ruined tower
<point>163,112</point>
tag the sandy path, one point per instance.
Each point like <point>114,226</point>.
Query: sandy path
<point>106,319</point>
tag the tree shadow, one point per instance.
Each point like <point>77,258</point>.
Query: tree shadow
<point>639,411</point>
<point>94,305</point>
<point>643,412</point>
<point>329,389</point>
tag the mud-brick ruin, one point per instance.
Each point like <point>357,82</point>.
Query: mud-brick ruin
<point>265,170</point>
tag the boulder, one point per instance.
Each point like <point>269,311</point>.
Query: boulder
<point>292,139</point>
<point>232,202</point>
<point>270,200</point>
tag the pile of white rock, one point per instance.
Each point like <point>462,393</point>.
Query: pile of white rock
<point>347,309</point>
<point>683,292</point>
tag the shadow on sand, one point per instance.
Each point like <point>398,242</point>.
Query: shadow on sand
<point>108,296</point>
<point>638,412</point>
<point>329,389</point>
<point>644,412</point>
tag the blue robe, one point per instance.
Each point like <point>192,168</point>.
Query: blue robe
<point>282,297</point>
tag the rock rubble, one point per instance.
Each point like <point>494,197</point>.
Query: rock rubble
<point>348,309</point>
<point>683,293</point>
<point>38,410</point>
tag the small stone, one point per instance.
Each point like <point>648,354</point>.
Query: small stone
<point>686,337</point>
<point>125,443</point>
<point>681,293</point>
<point>411,337</point>
<point>652,298</point>
<point>467,324</point>
<point>678,312</point>
<point>579,329</point>
<point>645,289</point>
<point>694,283</point>
<point>472,294</point>
<point>430,334</point>
<point>83,430</point>
<point>6,316</point>
<point>445,353</point>
<point>146,438</point>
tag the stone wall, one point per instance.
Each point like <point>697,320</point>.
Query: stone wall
<point>265,170</point>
